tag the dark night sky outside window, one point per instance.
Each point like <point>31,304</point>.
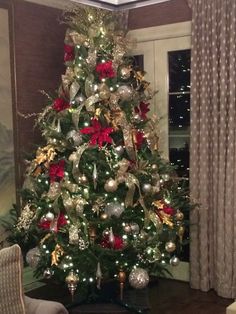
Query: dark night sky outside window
<point>179,110</point>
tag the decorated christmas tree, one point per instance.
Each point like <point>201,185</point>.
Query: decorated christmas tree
<point>98,201</point>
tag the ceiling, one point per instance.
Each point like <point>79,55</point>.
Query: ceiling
<point>119,4</point>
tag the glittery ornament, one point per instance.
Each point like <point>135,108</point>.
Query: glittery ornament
<point>127,228</point>
<point>83,179</point>
<point>174,261</point>
<point>26,218</point>
<point>111,237</point>
<point>138,278</point>
<point>99,275</point>
<point>72,280</point>
<point>75,136</point>
<point>33,257</point>
<point>114,209</point>
<point>125,92</point>
<point>111,185</point>
<point>170,246</point>
<point>125,72</point>
<point>95,176</point>
<point>49,216</point>
<point>48,273</point>
<point>103,216</point>
<point>73,234</point>
<point>83,244</point>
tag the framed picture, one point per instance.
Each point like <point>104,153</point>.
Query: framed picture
<point>7,160</point>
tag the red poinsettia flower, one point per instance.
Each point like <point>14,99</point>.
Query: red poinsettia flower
<point>142,110</point>
<point>60,104</point>
<point>118,243</point>
<point>56,171</point>
<point>169,210</point>
<point>99,135</point>
<point>69,54</point>
<point>105,69</point>
<point>54,225</point>
<point>139,139</point>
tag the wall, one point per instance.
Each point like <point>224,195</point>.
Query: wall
<point>169,12</point>
<point>38,47</point>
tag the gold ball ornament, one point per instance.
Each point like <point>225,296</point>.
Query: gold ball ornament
<point>170,246</point>
<point>111,185</point>
<point>83,179</point>
<point>103,216</point>
<point>72,280</point>
<point>154,167</point>
<point>179,215</point>
<point>127,228</point>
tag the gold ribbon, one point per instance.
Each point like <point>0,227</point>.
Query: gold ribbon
<point>67,78</point>
<point>75,158</point>
<point>56,254</point>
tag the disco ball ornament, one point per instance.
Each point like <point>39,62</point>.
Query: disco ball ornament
<point>33,257</point>
<point>125,92</point>
<point>138,278</point>
<point>119,150</point>
<point>49,216</point>
<point>48,273</point>
<point>111,185</point>
<point>170,246</point>
<point>114,209</point>
<point>174,261</point>
<point>75,136</point>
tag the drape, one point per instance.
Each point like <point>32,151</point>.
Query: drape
<point>213,146</point>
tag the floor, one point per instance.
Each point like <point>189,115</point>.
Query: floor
<point>165,296</point>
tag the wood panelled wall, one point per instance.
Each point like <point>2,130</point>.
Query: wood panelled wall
<point>173,11</point>
<point>38,45</point>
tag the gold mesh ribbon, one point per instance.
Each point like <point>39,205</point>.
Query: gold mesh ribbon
<point>75,158</point>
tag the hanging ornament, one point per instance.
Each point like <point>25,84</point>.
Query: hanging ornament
<point>114,209</point>
<point>95,176</point>
<point>153,254</point>
<point>72,280</point>
<point>179,215</point>
<point>181,233</point>
<point>49,216</point>
<point>122,279</point>
<point>75,136</point>
<point>104,92</point>
<point>111,185</point>
<point>147,188</point>
<point>92,234</point>
<point>170,246</point>
<point>119,150</point>
<point>99,275</point>
<point>80,202</point>
<point>134,227</point>
<point>166,177</point>
<point>138,278</point>
<point>125,72</point>
<point>73,234</point>
<point>125,92</point>
<point>56,254</point>
<point>26,218</point>
<point>48,273</point>
<point>33,257</point>
<point>154,167</point>
<point>174,261</point>
<point>111,237</point>
<point>83,244</point>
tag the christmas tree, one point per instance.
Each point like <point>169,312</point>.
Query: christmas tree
<point>98,200</point>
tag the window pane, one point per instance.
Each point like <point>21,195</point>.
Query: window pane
<point>179,111</point>
<point>179,70</point>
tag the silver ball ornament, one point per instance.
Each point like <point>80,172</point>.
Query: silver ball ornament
<point>111,185</point>
<point>170,246</point>
<point>154,167</point>
<point>119,150</point>
<point>134,227</point>
<point>125,72</point>
<point>33,257</point>
<point>127,228</point>
<point>125,92</point>
<point>80,98</point>
<point>138,278</point>
<point>75,136</point>
<point>147,188</point>
<point>48,273</point>
<point>114,209</point>
<point>49,216</point>
<point>174,261</point>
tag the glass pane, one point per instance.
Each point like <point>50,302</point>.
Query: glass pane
<point>179,70</point>
<point>179,155</point>
<point>138,61</point>
<point>179,110</point>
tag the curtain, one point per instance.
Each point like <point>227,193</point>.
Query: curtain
<point>213,146</point>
